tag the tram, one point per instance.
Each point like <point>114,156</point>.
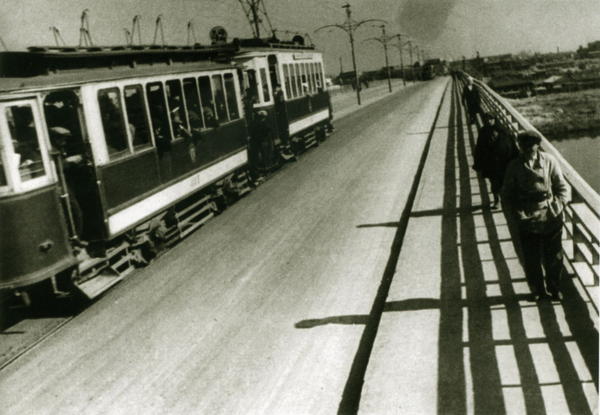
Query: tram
<point>108,155</point>
<point>286,80</point>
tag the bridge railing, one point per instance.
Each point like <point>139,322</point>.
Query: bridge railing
<point>582,215</point>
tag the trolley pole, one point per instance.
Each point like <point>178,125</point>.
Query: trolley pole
<point>255,18</point>
<point>349,26</point>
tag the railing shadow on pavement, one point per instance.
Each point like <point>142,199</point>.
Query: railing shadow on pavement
<point>512,354</point>
<point>497,351</point>
<point>582,225</point>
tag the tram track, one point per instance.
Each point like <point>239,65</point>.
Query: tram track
<point>23,329</point>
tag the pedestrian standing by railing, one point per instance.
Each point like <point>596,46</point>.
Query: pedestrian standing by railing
<point>535,193</point>
<point>493,151</point>
<point>471,100</point>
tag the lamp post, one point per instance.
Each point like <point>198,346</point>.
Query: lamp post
<point>384,41</point>
<point>410,57</point>
<point>349,26</point>
<point>400,47</point>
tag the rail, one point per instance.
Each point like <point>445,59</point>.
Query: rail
<point>582,216</point>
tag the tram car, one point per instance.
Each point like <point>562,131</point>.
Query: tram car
<point>104,154</point>
<point>432,68</point>
<point>108,155</point>
<point>284,80</point>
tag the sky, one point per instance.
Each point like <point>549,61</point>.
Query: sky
<point>448,29</point>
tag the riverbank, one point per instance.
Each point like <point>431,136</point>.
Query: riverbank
<point>571,121</point>
<point>563,115</point>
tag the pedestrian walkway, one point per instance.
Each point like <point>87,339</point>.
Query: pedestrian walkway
<point>458,334</point>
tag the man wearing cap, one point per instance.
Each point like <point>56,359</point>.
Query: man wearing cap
<point>535,193</point>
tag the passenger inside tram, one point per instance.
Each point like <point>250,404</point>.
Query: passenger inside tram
<point>209,115</point>
<point>25,142</point>
<point>61,110</point>
<point>113,122</point>
<point>179,128</point>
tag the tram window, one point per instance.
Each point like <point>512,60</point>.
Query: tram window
<point>176,108</point>
<point>299,79</point>
<point>320,74</point>
<point>286,75</point>
<point>232,102</point>
<point>265,85</point>
<point>293,79</point>
<point>136,115</point>
<point>61,110</point>
<point>313,76</point>
<point>25,141</point>
<point>207,102</point>
<point>113,122</point>
<point>158,115</point>
<point>217,84</point>
<point>317,80</point>
<point>192,102</point>
<point>305,78</point>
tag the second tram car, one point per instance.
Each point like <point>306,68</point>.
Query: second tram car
<point>286,79</point>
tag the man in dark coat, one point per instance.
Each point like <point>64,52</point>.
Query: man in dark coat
<point>472,100</point>
<point>494,150</point>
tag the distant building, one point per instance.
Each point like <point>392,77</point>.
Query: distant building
<point>592,51</point>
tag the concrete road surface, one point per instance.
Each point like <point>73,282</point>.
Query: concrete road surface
<point>261,311</point>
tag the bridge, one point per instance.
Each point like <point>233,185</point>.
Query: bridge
<point>369,278</point>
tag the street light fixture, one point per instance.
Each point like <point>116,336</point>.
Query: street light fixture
<point>349,26</point>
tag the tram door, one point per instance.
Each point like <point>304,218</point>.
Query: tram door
<point>72,153</point>
<point>161,127</point>
<point>280,108</point>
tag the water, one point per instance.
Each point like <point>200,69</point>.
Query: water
<point>583,153</point>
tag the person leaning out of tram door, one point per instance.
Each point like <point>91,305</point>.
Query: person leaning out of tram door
<point>282,124</point>
<point>535,194</point>
<point>471,100</point>
<point>71,161</point>
<point>493,151</point>
<point>260,146</point>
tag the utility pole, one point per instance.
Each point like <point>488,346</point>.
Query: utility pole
<point>410,55</point>
<point>384,41</point>
<point>349,26</point>
<point>400,47</point>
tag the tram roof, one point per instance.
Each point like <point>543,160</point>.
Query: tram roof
<point>265,46</point>
<point>48,67</point>
<point>76,77</point>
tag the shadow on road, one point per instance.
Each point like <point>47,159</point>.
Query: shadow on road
<point>498,327</point>
<point>497,352</point>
